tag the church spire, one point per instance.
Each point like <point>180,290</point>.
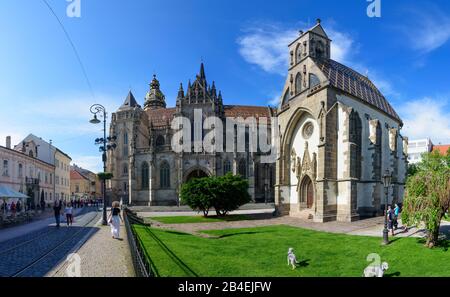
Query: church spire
<point>180,92</point>
<point>154,98</point>
<point>202,72</point>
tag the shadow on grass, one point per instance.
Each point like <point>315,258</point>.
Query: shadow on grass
<point>397,273</point>
<point>303,263</point>
<point>443,244</point>
<point>239,233</point>
<point>186,269</point>
<point>176,232</point>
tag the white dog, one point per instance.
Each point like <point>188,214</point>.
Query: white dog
<point>291,258</point>
<point>376,270</point>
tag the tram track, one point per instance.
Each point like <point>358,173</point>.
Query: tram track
<point>58,240</point>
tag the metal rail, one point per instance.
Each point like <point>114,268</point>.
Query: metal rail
<point>49,252</point>
<point>143,265</point>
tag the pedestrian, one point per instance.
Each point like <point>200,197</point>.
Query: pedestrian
<point>13,208</point>
<point>396,213</point>
<point>114,220</point>
<point>390,217</point>
<point>57,210</point>
<point>69,214</point>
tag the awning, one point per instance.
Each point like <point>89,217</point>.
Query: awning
<point>6,192</point>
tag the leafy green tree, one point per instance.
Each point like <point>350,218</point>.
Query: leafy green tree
<point>224,193</point>
<point>231,193</point>
<point>198,194</point>
<point>427,196</point>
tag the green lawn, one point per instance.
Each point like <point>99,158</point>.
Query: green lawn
<point>262,252</point>
<point>199,219</point>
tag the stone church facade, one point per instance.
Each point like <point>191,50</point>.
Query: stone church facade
<point>146,169</point>
<point>338,136</point>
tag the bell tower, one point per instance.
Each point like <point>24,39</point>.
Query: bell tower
<point>154,98</point>
<point>313,43</point>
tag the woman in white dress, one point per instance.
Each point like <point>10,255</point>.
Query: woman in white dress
<point>114,219</point>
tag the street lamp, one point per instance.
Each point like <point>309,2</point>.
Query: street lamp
<point>386,183</point>
<point>100,109</point>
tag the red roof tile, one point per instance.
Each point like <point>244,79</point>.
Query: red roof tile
<point>162,117</point>
<point>442,149</point>
<point>76,175</point>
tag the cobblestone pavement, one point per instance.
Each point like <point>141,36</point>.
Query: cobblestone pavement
<point>37,252</point>
<point>101,256</point>
<point>37,225</point>
<point>366,227</point>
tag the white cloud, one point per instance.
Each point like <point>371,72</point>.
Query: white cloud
<point>427,117</point>
<point>266,45</point>
<point>427,30</point>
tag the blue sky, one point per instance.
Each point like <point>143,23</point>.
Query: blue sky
<point>242,43</point>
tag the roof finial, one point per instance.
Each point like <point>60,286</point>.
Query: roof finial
<point>319,21</point>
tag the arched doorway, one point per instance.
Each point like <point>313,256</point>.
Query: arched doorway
<point>307,192</point>
<point>197,173</point>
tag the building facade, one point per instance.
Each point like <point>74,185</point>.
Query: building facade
<point>418,147</point>
<point>62,175</point>
<point>146,169</point>
<point>339,135</point>
<point>23,172</point>
<point>40,149</point>
<point>84,184</point>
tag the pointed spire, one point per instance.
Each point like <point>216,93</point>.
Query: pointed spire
<point>180,92</point>
<point>202,72</point>
<point>213,89</point>
<point>130,102</point>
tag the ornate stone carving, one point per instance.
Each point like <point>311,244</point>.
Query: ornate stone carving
<point>308,130</point>
<point>314,166</point>
<point>298,170</point>
<point>373,131</point>
<point>405,146</point>
<point>293,159</point>
<point>306,166</point>
<point>393,139</point>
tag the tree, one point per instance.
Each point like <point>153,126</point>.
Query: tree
<point>224,193</point>
<point>198,194</point>
<point>427,196</point>
<point>231,193</point>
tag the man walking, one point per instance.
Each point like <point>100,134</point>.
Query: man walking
<point>57,210</point>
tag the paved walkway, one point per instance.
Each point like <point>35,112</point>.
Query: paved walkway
<point>20,230</point>
<point>366,227</point>
<point>101,256</point>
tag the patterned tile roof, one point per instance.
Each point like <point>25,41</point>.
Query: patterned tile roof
<point>247,111</point>
<point>353,83</point>
<point>162,117</point>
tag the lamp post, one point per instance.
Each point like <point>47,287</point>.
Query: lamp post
<point>100,109</point>
<point>386,183</point>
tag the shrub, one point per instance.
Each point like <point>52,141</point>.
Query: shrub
<point>224,193</point>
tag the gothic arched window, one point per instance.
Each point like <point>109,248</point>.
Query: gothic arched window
<point>319,49</point>
<point>164,175</point>
<point>125,169</point>
<point>355,139</point>
<point>226,166</point>
<point>298,53</point>
<point>160,141</point>
<point>145,175</point>
<point>243,168</point>
<point>313,80</point>
<point>125,144</point>
<point>298,83</point>
<point>286,97</point>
